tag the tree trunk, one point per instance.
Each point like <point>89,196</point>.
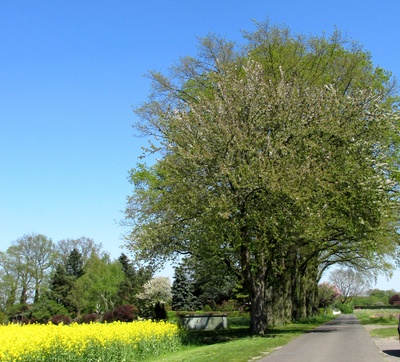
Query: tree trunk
<point>258,315</point>
<point>255,282</point>
<point>306,292</point>
<point>24,297</point>
<point>36,297</point>
<point>279,300</point>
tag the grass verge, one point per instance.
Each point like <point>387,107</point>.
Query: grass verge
<point>387,332</point>
<point>381,316</point>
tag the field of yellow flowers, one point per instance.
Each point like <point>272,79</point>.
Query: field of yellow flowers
<point>116,341</point>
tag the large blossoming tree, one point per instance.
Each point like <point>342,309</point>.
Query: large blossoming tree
<point>278,157</point>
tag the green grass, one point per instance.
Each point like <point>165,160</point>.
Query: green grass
<point>385,317</point>
<point>387,332</point>
<point>381,316</point>
<point>235,344</point>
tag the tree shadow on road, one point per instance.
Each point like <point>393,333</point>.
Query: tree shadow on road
<point>392,352</point>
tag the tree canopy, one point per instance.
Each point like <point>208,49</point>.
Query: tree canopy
<point>278,156</point>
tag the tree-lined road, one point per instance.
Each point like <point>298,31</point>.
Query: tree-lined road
<point>276,158</point>
<point>343,339</point>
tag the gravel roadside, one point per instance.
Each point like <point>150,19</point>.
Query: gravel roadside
<point>389,347</point>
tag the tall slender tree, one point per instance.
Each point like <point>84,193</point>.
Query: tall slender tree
<point>134,280</point>
<point>74,265</point>
<point>60,287</point>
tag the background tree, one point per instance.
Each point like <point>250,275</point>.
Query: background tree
<point>24,270</point>
<point>97,289</point>
<point>156,294</point>
<point>30,259</point>
<point>60,287</point>
<point>350,283</point>
<point>83,299</point>
<point>39,280</point>
<point>277,157</point>
<point>85,246</point>
<point>74,264</point>
<point>327,294</point>
<point>213,281</point>
<point>182,290</point>
<point>9,283</point>
<point>63,280</point>
<point>8,289</point>
<point>380,295</point>
<point>39,251</point>
<point>374,297</point>
<point>134,279</point>
<point>394,299</point>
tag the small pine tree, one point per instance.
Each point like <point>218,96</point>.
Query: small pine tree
<point>182,291</point>
<point>74,265</point>
<point>60,286</point>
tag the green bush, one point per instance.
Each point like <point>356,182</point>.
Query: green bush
<point>345,308</point>
<point>45,309</point>
<point>323,311</point>
<point>228,306</point>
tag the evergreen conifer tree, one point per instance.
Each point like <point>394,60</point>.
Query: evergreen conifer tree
<point>60,286</point>
<point>74,265</point>
<point>182,291</point>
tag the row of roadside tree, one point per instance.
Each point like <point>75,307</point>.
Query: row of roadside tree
<point>75,279</point>
<point>277,158</point>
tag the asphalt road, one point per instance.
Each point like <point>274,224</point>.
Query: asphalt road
<point>343,339</point>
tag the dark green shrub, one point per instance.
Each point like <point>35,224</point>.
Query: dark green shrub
<point>160,312</point>
<point>228,306</point>
<point>45,309</point>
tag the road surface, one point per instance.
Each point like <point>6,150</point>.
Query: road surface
<point>343,339</point>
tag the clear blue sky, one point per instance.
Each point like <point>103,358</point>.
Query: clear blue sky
<point>70,72</point>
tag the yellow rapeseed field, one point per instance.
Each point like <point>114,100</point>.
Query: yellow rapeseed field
<point>20,341</point>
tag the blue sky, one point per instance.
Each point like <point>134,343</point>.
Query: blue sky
<point>71,71</point>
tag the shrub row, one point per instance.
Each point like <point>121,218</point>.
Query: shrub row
<point>123,313</point>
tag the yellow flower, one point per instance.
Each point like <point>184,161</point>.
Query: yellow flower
<point>17,341</point>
